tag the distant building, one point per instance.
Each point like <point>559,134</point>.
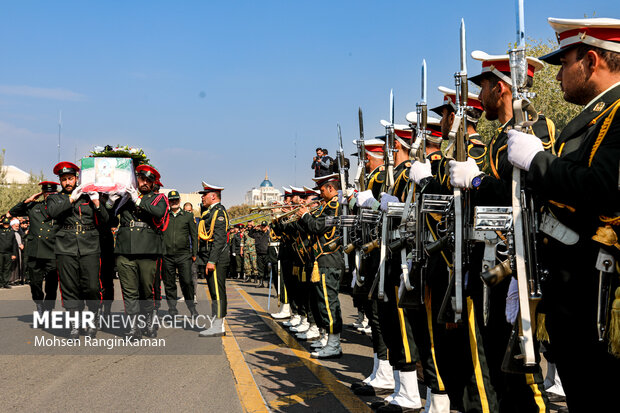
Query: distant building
<point>14,175</point>
<point>265,194</point>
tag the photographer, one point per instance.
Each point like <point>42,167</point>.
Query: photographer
<point>321,163</point>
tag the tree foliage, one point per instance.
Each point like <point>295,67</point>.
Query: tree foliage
<point>549,98</point>
<point>11,193</point>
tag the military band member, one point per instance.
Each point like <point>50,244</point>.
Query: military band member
<point>139,246</point>
<point>579,186</point>
<point>285,258</point>
<point>41,263</point>
<point>181,249</point>
<point>327,266</point>
<point>77,245</point>
<point>8,252</point>
<point>515,391</point>
<point>213,248</point>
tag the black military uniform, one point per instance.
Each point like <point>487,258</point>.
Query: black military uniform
<point>139,244</point>
<point>180,241</point>
<point>213,249</point>
<point>77,246</point>
<point>41,262</point>
<point>579,187</point>
<point>8,252</point>
<point>261,238</point>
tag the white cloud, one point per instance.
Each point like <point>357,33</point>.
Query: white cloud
<point>41,93</point>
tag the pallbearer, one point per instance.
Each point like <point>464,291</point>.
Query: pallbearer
<point>41,264</point>
<point>213,249</point>
<point>139,245</point>
<point>579,186</point>
<point>77,243</point>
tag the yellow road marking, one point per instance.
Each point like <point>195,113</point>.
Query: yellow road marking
<point>249,394</point>
<point>350,401</point>
<point>284,401</point>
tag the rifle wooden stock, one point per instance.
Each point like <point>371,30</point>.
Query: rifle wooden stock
<point>370,246</point>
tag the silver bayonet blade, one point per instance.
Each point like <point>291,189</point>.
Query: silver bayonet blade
<point>423,80</point>
<point>361,120</point>
<point>463,48</point>
<point>520,24</point>
<point>392,106</point>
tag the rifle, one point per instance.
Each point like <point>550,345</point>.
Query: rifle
<point>389,183</point>
<point>418,148</point>
<point>342,171</point>
<point>459,138</point>
<point>525,260</point>
<point>360,176</point>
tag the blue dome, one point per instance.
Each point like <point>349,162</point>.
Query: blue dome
<point>266,183</point>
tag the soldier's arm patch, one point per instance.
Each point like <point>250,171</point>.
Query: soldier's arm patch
<point>435,157</point>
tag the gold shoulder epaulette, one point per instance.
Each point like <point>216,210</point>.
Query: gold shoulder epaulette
<point>435,157</point>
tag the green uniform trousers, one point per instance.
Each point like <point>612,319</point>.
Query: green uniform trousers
<point>325,302</point>
<point>39,270</point>
<point>249,263</point>
<point>137,276</point>
<point>79,281</point>
<point>181,264</point>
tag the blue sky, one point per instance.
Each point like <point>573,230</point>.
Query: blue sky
<point>223,91</point>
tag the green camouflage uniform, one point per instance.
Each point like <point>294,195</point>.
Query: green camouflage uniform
<point>249,254</point>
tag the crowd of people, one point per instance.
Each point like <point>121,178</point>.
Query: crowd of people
<point>429,293</point>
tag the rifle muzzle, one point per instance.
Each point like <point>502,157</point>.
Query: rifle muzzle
<point>497,274</point>
<point>370,246</point>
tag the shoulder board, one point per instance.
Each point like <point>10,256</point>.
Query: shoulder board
<point>477,142</point>
<point>435,157</point>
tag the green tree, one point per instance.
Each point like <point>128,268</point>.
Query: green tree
<point>549,98</point>
<point>11,193</point>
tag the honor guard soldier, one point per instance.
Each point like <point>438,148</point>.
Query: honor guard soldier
<point>181,249</point>
<point>327,267</point>
<point>8,252</point>
<point>139,245</point>
<point>77,246</point>
<point>39,249</point>
<point>457,366</point>
<point>213,249</point>
<point>580,225</point>
<point>523,391</point>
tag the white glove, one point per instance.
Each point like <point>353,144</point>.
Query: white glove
<point>385,198</point>
<point>76,194</point>
<point>340,197</point>
<point>93,195</point>
<point>419,171</point>
<point>512,301</point>
<point>522,147</point>
<point>112,198</point>
<point>133,193</point>
<point>462,173</point>
<point>364,196</point>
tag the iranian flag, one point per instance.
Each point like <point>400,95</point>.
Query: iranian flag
<point>103,174</point>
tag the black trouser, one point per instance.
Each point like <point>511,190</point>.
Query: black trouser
<point>371,309</point>
<point>79,281</point>
<point>108,263</point>
<point>324,300</point>
<point>6,263</point>
<point>570,298</point>
<point>287,285</point>
<point>183,265</point>
<point>262,262</point>
<point>40,269</point>
<point>395,326</point>
<point>157,282</point>
<point>216,281</point>
<point>137,276</point>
